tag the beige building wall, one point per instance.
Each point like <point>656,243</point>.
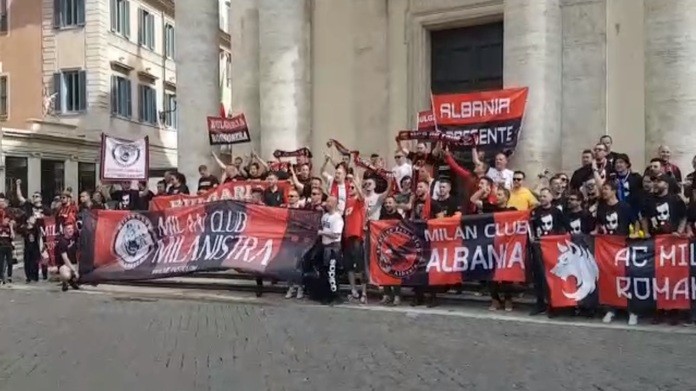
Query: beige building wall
<point>20,61</point>
<point>35,50</point>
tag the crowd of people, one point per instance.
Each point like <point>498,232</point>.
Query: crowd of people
<point>604,195</point>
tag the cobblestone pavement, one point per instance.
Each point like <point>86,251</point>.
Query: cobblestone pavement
<point>73,341</point>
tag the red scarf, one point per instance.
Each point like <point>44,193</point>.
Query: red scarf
<point>335,191</point>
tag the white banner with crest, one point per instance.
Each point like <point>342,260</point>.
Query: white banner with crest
<point>124,160</point>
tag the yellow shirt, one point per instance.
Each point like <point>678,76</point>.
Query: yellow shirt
<point>522,199</point>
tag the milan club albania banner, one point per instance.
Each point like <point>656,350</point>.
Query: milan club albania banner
<point>126,245</point>
<point>641,275</point>
<point>489,247</point>
<point>225,131</point>
<point>492,118</point>
<point>235,190</point>
<point>124,160</point>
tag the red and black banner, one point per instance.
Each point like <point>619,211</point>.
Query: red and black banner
<point>235,190</point>
<point>426,120</point>
<point>225,131</point>
<point>641,275</point>
<point>50,231</point>
<point>490,247</point>
<point>492,118</point>
<point>127,245</point>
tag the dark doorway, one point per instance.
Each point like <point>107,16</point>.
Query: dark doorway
<point>15,168</point>
<point>467,59</point>
<point>86,176</point>
<point>52,179</point>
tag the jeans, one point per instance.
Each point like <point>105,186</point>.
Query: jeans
<point>498,288</point>
<point>5,262</point>
<point>538,275</point>
<point>31,265</point>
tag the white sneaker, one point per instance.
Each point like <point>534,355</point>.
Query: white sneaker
<point>300,293</point>
<point>291,291</point>
<point>608,317</point>
<point>632,319</point>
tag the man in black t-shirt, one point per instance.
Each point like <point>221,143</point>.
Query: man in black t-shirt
<point>206,181</point>
<point>614,217</point>
<point>445,205</point>
<point>664,212</point>
<point>127,197</point>
<point>392,294</point>
<point>66,257</point>
<point>546,219</point>
<point>580,221</point>
<point>273,195</point>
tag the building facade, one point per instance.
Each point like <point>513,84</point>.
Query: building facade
<point>305,71</point>
<point>75,69</point>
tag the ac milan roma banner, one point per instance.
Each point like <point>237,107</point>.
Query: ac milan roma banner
<point>225,131</point>
<point>448,251</point>
<point>124,160</point>
<point>235,190</point>
<point>492,118</point>
<point>641,275</point>
<point>126,245</point>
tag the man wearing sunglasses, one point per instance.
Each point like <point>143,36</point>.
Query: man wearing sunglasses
<point>521,197</point>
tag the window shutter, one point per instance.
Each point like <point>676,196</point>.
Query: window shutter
<point>151,31</point>
<point>140,28</point>
<point>141,102</point>
<point>56,13</point>
<point>114,15</point>
<point>58,102</point>
<point>114,95</point>
<point>126,18</point>
<point>129,100</point>
<point>80,12</point>
<point>82,84</point>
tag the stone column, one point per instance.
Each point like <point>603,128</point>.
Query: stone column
<point>533,58</point>
<point>284,75</point>
<point>670,79</point>
<point>198,89</point>
<point>244,37</point>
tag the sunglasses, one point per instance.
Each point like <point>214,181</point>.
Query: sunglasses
<point>398,157</point>
<point>564,179</point>
<point>517,179</point>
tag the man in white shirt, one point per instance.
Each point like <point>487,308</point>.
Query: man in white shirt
<point>402,167</point>
<point>500,174</point>
<point>374,200</point>
<point>330,232</point>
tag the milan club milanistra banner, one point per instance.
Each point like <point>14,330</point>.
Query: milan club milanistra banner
<point>235,190</point>
<point>124,160</point>
<point>226,131</point>
<point>492,118</point>
<point>490,247</point>
<point>127,245</point>
<point>641,275</point>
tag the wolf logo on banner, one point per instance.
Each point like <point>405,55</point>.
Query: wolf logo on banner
<point>134,241</point>
<point>577,262</point>
<point>124,160</point>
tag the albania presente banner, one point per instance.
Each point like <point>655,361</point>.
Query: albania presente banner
<point>127,245</point>
<point>426,120</point>
<point>640,275</point>
<point>124,160</point>
<point>492,118</point>
<point>235,190</point>
<point>449,251</point>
